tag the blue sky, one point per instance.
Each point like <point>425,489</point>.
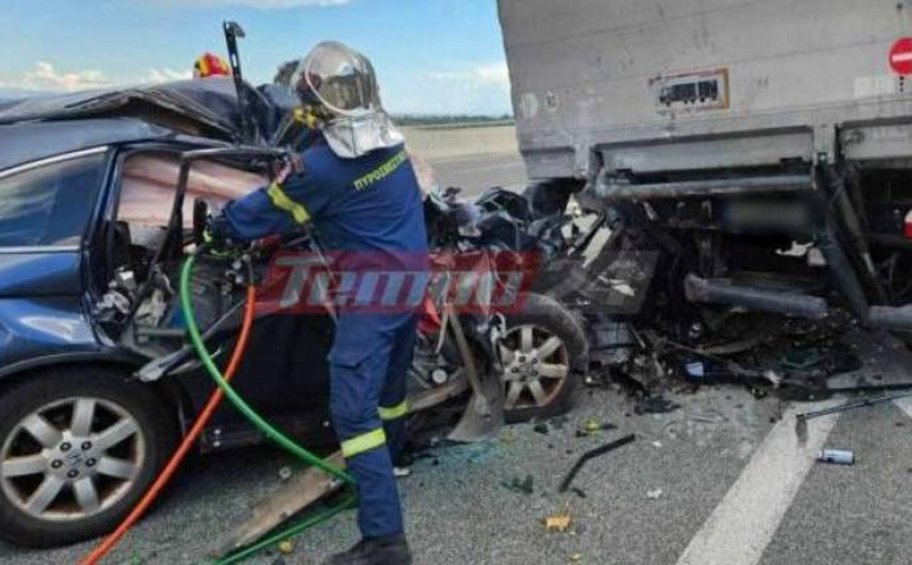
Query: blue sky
<point>432,56</point>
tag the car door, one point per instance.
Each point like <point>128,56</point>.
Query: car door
<point>46,210</point>
<point>285,372</point>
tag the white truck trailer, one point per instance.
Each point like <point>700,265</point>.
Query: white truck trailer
<point>762,147</point>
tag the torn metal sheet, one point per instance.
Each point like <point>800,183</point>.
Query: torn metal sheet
<point>484,416</point>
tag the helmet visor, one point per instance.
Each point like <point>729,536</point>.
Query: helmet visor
<point>341,79</point>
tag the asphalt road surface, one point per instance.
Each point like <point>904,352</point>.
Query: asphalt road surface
<point>722,480</point>
<point>476,174</point>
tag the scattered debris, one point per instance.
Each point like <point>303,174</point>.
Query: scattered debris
<point>654,494</point>
<point>695,371</point>
<point>592,427</point>
<point>801,419</point>
<point>507,436</point>
<point>578,492</point>
<point>655,405</point>
<point>592,454</point>
<point>709,418</point>
<point>576,558</point>
<point>522,486</point>
<point>401,472</point>
<point>285,473</point>
<point>657,444</point>
<point>558,422</point>
<point>478,453</point>
<point>286,547</point>
<point>837,456</point>
<point>542,428</point>
<point>800,359</point>
<point>558,522</point>
<point>801,429</point>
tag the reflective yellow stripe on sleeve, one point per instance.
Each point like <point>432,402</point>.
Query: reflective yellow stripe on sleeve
<point>284,202</point>
<point>364,442</point>
<point>394,412</point>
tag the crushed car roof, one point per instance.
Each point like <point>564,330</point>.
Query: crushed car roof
<point>41,126</point>
<point>207,103</point>
<point>24,142</point>
<point>206,108</point>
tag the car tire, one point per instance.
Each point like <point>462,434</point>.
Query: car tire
<point>79,446</point>
<point>555,345</point>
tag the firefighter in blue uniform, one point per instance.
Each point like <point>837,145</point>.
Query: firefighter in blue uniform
<point>357,188</point>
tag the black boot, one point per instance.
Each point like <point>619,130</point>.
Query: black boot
<point>386,550</point>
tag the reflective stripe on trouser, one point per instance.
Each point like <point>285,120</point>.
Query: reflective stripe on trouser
<point>363,442</point>
<point>393,406</point>
<point>361,356</point>
<point>393,412</point>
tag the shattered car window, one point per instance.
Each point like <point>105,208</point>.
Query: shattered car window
<point>49,205</point>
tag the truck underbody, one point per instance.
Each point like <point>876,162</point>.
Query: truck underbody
<point>750,165</point>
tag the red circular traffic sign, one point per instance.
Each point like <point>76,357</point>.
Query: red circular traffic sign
<point>901,56</point>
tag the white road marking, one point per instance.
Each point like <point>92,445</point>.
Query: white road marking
<point>742,525</point>
<point>904,404</point>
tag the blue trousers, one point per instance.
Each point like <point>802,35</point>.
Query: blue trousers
<point>369,361</point>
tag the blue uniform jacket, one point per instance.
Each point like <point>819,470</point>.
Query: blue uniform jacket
<point>368,204</point>
<point>367,212</point>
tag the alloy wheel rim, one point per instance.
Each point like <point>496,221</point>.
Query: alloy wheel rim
<point>536,365</point>
<point>71,459</point>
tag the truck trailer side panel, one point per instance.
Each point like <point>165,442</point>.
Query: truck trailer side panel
<point>660,85</point>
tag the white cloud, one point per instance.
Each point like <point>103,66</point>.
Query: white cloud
<point>478,89</point>
<point>44,76</point>
<point>489,75</point>
<point>166,74</point>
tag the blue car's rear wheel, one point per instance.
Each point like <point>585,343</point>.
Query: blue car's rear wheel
<point>78,447</point>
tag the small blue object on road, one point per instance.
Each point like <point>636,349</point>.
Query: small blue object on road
<point>837,456</point>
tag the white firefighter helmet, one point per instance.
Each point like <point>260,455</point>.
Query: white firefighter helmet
<point>344,83</point>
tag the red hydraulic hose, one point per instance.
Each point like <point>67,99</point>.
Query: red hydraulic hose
<point>236,356</point>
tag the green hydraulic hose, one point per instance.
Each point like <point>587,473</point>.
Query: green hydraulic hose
<point>261,424</point>
<point>305,524</point>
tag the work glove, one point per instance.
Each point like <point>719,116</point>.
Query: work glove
<point>217,237</point>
